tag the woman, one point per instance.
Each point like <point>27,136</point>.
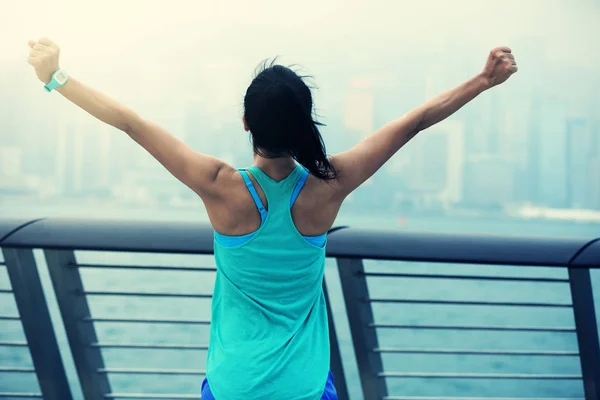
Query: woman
<point>269,337</point>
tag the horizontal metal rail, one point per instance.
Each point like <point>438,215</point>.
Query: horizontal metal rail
<point>149,346</point>
<point>198,238</point>
<point>470,303</point>
<point>13,344</point>
<point>166,321</point>
<point>477,328</point>
<point>577,254</point>
<point>9,318</point>
<point>465,277</point>
<point>144,294</point>
<point>17,370</point>
<point>10,226</point>
<point>477,398</point>
<point>112,235</point>
<point>477,352</point>
<point>152,396</point>
<point>20,395</point>
<point>144,267</point>
<point>151,371</point>
<point>454,375</point>
<point>473,248</point>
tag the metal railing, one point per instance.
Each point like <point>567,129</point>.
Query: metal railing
<point>59,239</point>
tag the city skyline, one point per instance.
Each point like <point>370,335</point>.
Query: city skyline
<point>367,74</point>
<point>444,163</point>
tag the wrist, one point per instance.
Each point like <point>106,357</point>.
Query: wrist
<point>64,88</point>
<point>47,77</point>
<point>483,82</point>
<point>57,79</point>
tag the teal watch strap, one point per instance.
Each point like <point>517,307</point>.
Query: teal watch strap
<point>59,78</point>
<point>53,84</point>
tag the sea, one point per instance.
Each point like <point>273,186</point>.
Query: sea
<point>96,279</point>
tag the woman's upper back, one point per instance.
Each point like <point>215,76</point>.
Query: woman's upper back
<point>269,313</point>
<point>235,212</point>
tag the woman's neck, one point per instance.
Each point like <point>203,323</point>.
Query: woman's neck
<point>276,168</point>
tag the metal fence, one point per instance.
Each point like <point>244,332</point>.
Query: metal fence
<point>59,239</point>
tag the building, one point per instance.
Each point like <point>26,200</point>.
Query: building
<point>533,165</point>
<point>10,161</point>
<point>13,180</point>
<point>84,157</point>
<point>436,163</point>
<point>359,108</point>
<point>488,181</point>
<point>582,155</point>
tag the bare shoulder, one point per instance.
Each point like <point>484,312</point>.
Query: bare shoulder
<point>317,206</point>
<point>227,177</point>
<point>344,164</point>
<point>327,190</point>
<point>230,207</point>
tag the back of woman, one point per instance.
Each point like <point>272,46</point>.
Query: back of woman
<point>269,313</point>
<point>269,333</point>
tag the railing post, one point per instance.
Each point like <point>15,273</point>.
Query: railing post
<point>360,315</point>
<point>587,330</point>
<point>37,324</point>
<point>337,368</point>
<point>74,308</point>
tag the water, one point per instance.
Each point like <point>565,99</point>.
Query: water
<point>200,282</point>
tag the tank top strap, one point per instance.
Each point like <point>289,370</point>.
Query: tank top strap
<point>299,186</point>
<point>277,193</point>
<point>254,194</point>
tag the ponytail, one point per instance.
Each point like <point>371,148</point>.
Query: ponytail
<point>280,119</point>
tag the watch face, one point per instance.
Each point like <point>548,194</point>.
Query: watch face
<point>60,77</point>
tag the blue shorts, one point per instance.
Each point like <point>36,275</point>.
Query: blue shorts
<point>328,394</point>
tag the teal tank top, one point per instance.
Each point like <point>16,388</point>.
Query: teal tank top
<point>269,336</point>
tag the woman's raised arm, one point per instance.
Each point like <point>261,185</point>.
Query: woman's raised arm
<point>360,162</point>
<point>198,171</point>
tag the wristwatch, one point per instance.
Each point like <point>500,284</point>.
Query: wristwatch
<point>59,78</point>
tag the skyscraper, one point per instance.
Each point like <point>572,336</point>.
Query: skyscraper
<point>488,181</point>
<point>10,162</point>
<point>437,162</point>
<point>533,153</point>
<point>359,108</point>
<point>582,153</point>
<point>83,156</point>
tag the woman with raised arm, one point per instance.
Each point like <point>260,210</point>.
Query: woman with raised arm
<point>269,335</point>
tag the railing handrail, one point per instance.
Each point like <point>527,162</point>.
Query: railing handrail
<point>59,238</point>
<point>197,238</point>
<point>8,226</point>
<point>462,248</point>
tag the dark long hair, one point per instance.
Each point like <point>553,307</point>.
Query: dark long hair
<point>278,109</point>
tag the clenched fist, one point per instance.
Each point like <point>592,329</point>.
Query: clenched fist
<point>44,58</point>
<point>500,66</point>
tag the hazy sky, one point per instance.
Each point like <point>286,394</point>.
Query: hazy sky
<point>207,50</point>
<point>100,30</point>
<point>172,59</point>
<point>163,57</point>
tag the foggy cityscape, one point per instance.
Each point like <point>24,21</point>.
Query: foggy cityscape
<point>465,268</point>
<point>528,147</point>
